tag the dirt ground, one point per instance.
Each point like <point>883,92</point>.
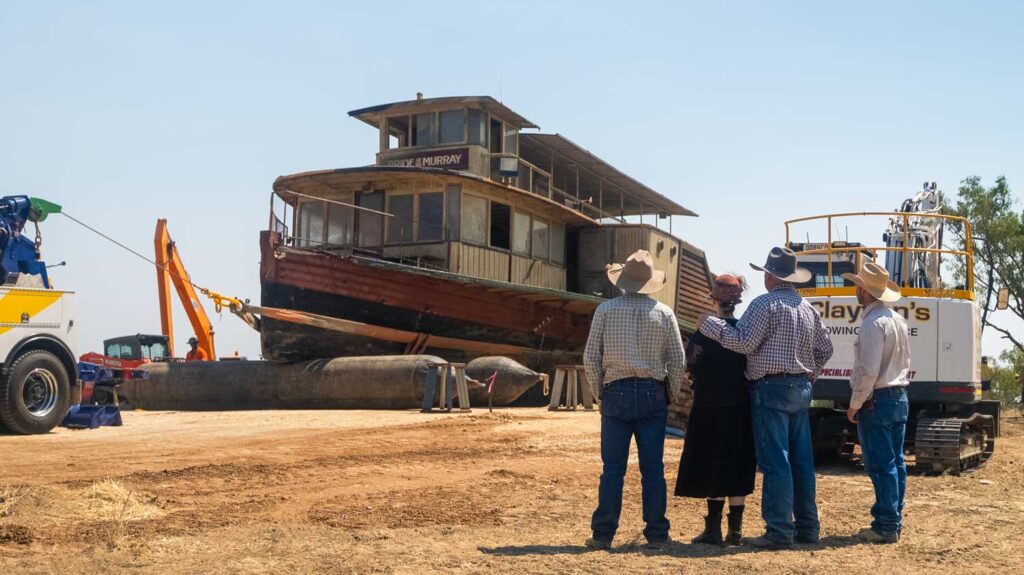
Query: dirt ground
<point>403,492</point>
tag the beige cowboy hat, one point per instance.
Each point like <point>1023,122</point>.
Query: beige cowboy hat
<point>781,263</point>
<point>637,275</point>
<point>875,280</point>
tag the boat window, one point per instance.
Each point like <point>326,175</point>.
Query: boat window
<point>477,127</point>
<point>474,220</point>
<point>423,131</point>
<point>453,126</point>
<point>369,224</point>
<point>400,226</point>
<point>496,132</point>
<point>521,233</point>
<point>398,132</point>
<point>557,243</point>
<point>541,239</point>
<point>431,217</point>
<point>540,184</point>
<point>311,223</point>
<point>501,226</point>
<point>511,140</point>
<point>453,217</point>
<point>339,225</point>
<point>523,179</point>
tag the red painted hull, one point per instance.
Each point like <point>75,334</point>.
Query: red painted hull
<point>410,299</point>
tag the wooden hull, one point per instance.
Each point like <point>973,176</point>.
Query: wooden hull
<point>548,326</point>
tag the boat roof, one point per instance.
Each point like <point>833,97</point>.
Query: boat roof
<point>373,114</point>
<point>597,178</point>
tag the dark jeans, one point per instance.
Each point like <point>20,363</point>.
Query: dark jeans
<point>782,438</point>
<point>881,428</point>
<point>632,408</point>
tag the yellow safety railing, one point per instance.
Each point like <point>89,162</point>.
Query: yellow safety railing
<point>830,250</point>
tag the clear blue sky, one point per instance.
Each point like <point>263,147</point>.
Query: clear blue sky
<point>748,113</point>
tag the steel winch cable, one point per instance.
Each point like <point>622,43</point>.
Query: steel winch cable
<point>152,262</point>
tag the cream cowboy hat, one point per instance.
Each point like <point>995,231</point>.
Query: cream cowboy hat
<point>637,275</point>
<point>875,280</point>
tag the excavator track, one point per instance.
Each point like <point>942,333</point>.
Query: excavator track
<point>954,444</point>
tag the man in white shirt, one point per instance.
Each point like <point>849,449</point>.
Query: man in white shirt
<point>878,404</point>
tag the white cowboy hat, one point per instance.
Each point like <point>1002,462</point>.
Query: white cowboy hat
<point>782,264</point>
<point>875,280</point>
<point>637,275</point>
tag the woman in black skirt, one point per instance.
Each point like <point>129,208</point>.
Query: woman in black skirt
<point>718,459</point>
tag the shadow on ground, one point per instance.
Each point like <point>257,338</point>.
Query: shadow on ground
<point>675,549</point>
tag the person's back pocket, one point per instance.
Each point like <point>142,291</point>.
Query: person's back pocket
<point>611,402</point>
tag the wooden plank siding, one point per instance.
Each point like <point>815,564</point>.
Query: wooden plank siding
<point>479,262</point>
<point>542,274</point>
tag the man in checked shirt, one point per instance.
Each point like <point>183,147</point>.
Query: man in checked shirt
<point>634,345</point>
<point>786,346</point>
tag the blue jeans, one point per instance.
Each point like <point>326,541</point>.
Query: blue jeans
<point>632,408</point>
<point>881,428</point>
<point>782,438</point>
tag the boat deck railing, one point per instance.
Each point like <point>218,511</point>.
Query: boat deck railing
<point>906,219</point>
<point>369,232</point>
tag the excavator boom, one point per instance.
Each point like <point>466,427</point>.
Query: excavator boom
<point>171,271</point>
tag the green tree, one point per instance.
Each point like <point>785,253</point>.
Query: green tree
<point>998,242</point>
<point>1007,376</point>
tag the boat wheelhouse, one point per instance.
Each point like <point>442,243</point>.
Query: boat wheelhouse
<point>468,236</point>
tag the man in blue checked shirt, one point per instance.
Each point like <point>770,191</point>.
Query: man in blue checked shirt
<point>786,346</point>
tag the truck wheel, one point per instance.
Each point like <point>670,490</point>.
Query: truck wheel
<point>34,394</point>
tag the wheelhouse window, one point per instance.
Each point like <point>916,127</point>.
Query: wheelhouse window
<point>511,140</point>
<point>474,220</point>
<point>496,133</point>
<point>398,132</point>
<point>453,126</point>
<point>400,225</point>
<point>521,233</point>
<point>423,129</point>
<point>541,239</point>
<point>431,217</point>
<point>501,226</point>
<point>478,127</point>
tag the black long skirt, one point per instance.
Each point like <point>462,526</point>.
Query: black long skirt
<point>718,454</point>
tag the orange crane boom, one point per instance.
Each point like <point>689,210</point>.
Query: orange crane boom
<point>171,271</point>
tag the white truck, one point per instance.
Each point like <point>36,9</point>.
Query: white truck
<point>38,335</point>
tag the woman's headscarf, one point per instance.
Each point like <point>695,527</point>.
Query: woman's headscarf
<point>728,289</point>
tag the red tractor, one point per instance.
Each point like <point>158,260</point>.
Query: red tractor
<point>122,358</point>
